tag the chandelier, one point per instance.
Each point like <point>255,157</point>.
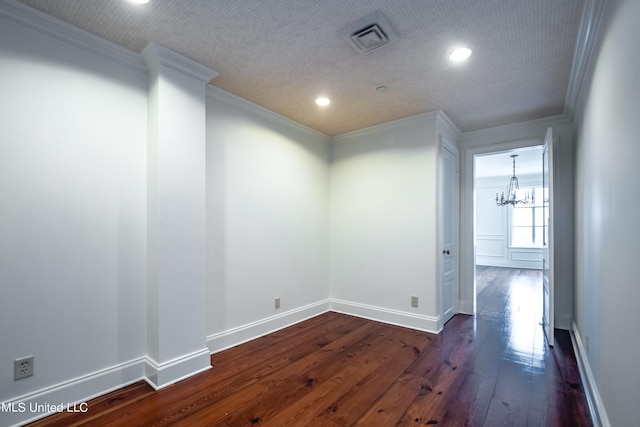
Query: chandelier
<point>514,191</point>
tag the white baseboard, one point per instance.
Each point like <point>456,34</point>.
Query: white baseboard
<point>241,334</point>
<point>386,315</point>
<point>71,395</point>
<point>596,407</point>
<point>160,375</point>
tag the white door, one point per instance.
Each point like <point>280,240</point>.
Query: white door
<point>449,227</point>
<point>547,253</point>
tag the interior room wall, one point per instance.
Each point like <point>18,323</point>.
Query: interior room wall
<point>606,220</point>
<point>383,220</point>
<point>73,216</point>
<point>267,219</point>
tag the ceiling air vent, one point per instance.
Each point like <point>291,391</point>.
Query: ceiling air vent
<point>369,34</point>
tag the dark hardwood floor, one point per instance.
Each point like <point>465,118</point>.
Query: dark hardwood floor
<point>337,370</point>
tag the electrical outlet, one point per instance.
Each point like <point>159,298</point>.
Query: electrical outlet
<point>414,301</point>
<point>22,368</point>
<point>277,303</point>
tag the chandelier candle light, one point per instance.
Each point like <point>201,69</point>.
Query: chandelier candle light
<point>514,189</point>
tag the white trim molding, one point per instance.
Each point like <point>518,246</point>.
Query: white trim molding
<point>227,98</point>
<point>57,29</point>
<point>596,407</point>
<point>161,375</point>
<point>155,55</point>
<point>407,121</point>
<point>72,394</point>
<point>235,336</point>
<point>587,34</point>
<point>385,315</point>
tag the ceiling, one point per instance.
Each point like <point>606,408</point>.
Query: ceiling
<point>283,54</point>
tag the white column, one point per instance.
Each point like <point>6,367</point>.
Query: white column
<point>176,312</point>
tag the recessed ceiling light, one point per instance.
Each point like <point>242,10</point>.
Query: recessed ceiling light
<point>139,1</point>
<point>323,101</point>
<point>460,54</point>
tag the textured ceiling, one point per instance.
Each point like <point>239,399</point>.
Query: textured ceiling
<point>282,54</point>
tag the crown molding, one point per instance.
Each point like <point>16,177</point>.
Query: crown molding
<point>438,116</point>
<point>52,27</point>
<point>419,118</point>
<point>235,101</point>
<point>511,132</point>
<point>585,42</point>
<point>155,55</point>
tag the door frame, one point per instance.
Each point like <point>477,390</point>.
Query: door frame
<point>467,278</point>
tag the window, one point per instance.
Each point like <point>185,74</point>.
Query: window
<point>527,221</point>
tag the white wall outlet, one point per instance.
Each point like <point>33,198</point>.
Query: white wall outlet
<point>414,301</point>
<point>277,303</point>
<point>23,368</point>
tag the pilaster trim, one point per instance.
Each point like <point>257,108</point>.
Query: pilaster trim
<point>155,55</point>
<point>161,375</point>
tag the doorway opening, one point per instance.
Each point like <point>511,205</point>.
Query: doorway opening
<point>508,243</point>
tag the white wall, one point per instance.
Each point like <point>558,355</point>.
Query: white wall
<point>383,218</point>
<point>607,213</point>
<point>73,215</point>
<point>267,216</point>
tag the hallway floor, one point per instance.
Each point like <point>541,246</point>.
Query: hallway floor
<point>533,382</point>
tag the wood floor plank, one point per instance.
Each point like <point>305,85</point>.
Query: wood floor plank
<point>431,405</point>
<point>111,403</point>
<point>343,347</point>
<point>305,381</point>
<point>395,356</point>
<point>306,409</point>
<point>336,370</point>
<point>392,405</point>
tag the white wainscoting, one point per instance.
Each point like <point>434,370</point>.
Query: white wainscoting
<point>492,229</point>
